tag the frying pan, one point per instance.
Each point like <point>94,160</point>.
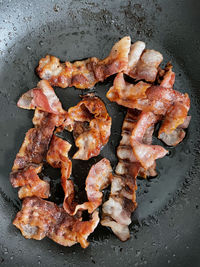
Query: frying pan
<point>165,229</point>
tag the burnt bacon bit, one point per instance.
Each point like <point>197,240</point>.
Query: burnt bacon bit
<point>39,218</point>
<point>91,126</point>
<point>86,73</point>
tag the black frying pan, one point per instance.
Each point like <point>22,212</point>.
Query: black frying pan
<point>166,228</point>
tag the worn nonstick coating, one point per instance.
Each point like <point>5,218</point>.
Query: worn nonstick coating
<point>166,229</point>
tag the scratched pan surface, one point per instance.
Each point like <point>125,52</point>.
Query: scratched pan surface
<point>166,227</point>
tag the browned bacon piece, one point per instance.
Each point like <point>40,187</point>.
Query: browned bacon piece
<point>99,177</point>
<point>176,118</point>
<point>57,157</point>
<point>86,73</point>
<point>143,64</point>
<point>39,218</point>
<point>142,96</point>
<point>29,159</point>
<point>122,201</point>
<point>91,128</point>
<point>42,97</point>
<point>146,154</point>
<point>29,181</point>
<point>159,99</point>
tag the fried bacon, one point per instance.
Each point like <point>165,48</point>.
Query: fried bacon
<point>143,64</point>
<point>127,94</point>
<point>116,211</point>
<point>91,128</point>
<point>137,126</point>
<point>39,218</point>
<point>146,154</point>
<point>43,97</point>
<point>33,151</point>
<point>99,177</point>
<point>142,96</point>
<point>57,157</point>
<point>160,99</point>
<point>86,73</point>
<point>176,120</point>
<point>30,183</point>
<point>36,142</point>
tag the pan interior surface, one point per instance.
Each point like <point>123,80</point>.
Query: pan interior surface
<point>165,226</point>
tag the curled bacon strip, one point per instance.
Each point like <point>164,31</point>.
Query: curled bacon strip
<point>57,157</point>
<point>146,154</point>
<point>91,128</point>
<point>29,159</point>
<point>116,211</point>
<point>43,97</point>
<point>30,183</point>
<point>99,177</point>
<point>160,99</point>
<point>142,96</point>
<point>171,131</point>
<point>122,200</point>
<point>86,73</point>
<point>39,218</point>
<point>143,64</point>
<point>127,94</point>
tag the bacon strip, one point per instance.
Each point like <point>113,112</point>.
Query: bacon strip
<point>171,131</point>
<point>146,154</point>
<point>86,73</point>
<point>57,157</point>
<point>39,218</point>
<point>142,96</point>
<point>29,159</point>
<point>143,64</point>
<point>43,97</point>
<point>160,99</point>
<point>122,200</point>
<point>30,183</point>
<point>99,177</point>
<point>91,128</point>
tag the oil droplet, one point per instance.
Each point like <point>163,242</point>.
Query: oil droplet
<point>138,252</point>
<point>56,8</point>
<point>41,43</point>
